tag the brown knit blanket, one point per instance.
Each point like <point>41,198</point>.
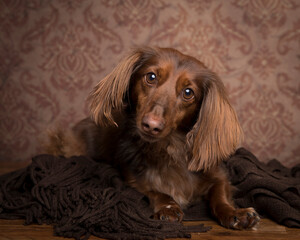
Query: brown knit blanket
<point>272,189</point>
<point>80,197</point>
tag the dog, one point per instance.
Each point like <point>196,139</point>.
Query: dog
<point>164,120</point>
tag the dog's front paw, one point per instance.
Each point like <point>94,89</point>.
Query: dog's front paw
<point>244,218</point>
<point>169,213</point>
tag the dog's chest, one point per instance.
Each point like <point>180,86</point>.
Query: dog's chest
<point>160,168</point>
<point>173,180</point>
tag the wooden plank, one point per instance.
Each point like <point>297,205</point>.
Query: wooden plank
<point>267,230</point>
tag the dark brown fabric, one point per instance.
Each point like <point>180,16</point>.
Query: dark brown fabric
<point>81,198</point>
<point>272,189</point>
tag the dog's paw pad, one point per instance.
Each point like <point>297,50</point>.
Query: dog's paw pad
<point>169,213</point>
<point>244,218</point>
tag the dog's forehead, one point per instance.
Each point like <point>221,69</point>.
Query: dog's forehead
<point>176,69</point>
<point>173,68</point>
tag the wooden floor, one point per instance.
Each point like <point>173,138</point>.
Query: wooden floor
<point>267,230</point>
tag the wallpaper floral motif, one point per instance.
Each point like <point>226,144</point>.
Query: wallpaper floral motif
<point>54,52</point>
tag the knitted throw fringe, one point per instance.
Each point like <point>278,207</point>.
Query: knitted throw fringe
<point>80,198</point>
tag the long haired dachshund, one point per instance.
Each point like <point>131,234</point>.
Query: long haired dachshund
<point>164,120</point>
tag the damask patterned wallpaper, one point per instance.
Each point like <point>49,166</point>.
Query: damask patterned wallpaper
<point>54,52</point>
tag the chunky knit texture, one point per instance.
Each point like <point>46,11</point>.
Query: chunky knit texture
<point>81,198</point>
<point>272,189</point>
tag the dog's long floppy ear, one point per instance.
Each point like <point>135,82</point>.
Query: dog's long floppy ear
<point>108,95</point>
<point>217,132</point>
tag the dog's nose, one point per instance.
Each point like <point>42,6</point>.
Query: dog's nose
<point>152,125</point>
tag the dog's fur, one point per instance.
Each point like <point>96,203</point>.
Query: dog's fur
<point>165,121</point>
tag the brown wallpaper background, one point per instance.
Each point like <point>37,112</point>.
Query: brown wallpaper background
<point>54,52</point>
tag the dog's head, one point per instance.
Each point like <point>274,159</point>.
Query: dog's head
<point>168,91</point>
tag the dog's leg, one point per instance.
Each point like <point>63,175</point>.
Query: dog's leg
<point>165,208</point>
<point>223,208</point>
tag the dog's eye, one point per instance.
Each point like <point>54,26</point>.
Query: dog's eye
<point>187,94</point>
<point>150,78</point>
